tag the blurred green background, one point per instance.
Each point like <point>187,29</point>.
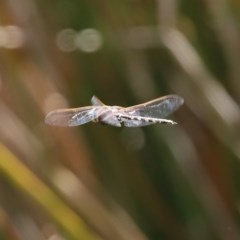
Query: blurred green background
<point>97,182</point>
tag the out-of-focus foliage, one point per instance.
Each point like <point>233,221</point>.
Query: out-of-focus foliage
<point>99,182</point>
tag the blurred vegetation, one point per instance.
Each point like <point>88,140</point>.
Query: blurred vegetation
<point>100,182</point>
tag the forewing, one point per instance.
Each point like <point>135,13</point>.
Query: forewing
<point>157,108</point>
<point>71,117</point>
<point>96,101</point>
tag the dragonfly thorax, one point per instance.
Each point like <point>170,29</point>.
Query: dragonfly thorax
<point>108,115</point>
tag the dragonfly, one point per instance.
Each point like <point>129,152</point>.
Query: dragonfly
<point>144,114</point>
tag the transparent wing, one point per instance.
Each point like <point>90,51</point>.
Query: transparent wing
<point>157,108</point>
<point>71,117</point>
<point>96,101</point>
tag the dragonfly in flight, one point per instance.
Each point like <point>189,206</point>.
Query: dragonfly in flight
<point>140,115</point>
